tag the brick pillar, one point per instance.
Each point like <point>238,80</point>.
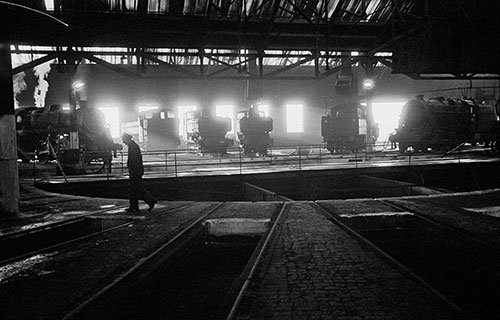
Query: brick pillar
<point>9,181</point>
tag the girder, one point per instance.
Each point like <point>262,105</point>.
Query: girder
<point>321,30</point>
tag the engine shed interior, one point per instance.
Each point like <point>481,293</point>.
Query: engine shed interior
<point>355,140</point>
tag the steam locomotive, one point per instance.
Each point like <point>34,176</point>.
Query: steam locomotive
<point>345,127</point>
<point>45,132</point>
<point>443,124</point>
<point>207,133</point>
<point>253,132</point>
<point>160,129</point>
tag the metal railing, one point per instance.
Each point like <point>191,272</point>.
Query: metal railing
<point>188,162</point>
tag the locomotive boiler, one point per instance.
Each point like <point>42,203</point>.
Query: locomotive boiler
<point>253,129</point>
<point>207,133</point>
<point>443,124</point>
<point>160,129</point>
<point>39,128</point>
<point>345,127</point>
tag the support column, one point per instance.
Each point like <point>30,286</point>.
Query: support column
<point>369,118</point>
<point>253,92</point>
<point>369,67</point>
<point>9,181</point>
<point>71,69</point>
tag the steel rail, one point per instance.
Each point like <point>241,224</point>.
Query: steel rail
<point>143,263</point>
<point>26,234</point>
<point>456,232</point>
<point>251,274</point>
<point>403,269</point>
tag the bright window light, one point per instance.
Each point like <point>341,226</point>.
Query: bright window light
<point>147,108</point>
<point>181,114</point>
<point>49,5</point>
<point>264,108</point>
<point>112,116</point>
<point>386,114</point>
<point>294,118</point>
<point>226,110</point>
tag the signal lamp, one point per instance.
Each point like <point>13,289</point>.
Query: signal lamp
<point>368,84</point>
<point>77,85</point>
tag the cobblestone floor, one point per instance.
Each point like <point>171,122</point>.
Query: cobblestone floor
<point>318,271</point>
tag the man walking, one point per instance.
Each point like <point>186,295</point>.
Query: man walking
<point>136,170</point>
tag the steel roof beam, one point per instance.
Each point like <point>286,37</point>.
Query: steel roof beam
<point>34,63</point>
<point>107,65</point>
<point>288,68</point>
<point>170,65</point>
<point>336,69</point>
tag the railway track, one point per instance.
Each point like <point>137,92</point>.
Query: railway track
<point>457,266</point>
<point>443,228</point>
<point>170,261</point>
<point>258,260</point>
<point>22,244</point>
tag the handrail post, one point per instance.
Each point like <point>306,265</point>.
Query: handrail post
<point>34,170</point>
<point>300,159</point>
<point>175,163</point>
<point>356,156</point>
<point>121,155</point>
<point>241,169</point>
<point>166,160</point>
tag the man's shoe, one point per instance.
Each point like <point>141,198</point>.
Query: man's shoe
<point>132,210</point>
<point>152,205</point>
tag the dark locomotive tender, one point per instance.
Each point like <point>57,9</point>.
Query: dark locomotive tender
<point>46,132</point>
<point>253,132</point>
<point>443,124</point>
<point>207,133</point>
<point>345,128</point>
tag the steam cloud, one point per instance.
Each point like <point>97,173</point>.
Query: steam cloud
<point>41,72</point>
<point>19,86</point>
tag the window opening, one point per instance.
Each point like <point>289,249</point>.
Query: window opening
<point>112,116</point>
<point>226,111</point>
<point>294,118</point>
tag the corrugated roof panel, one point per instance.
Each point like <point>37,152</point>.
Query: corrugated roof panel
<point>373,11</point>
<point>158,6</point>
